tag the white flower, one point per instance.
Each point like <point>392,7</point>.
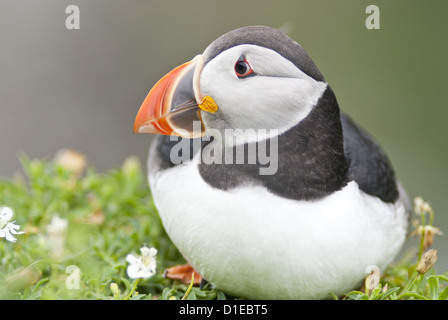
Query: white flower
<point>421,206</point>
<point>143,266</point>
<point>71,160</point>
<point>7,229</point>
<point>57,226</point>
<point>56,232</point>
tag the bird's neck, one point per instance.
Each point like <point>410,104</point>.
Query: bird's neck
<point>310,158</point>
<point>312,163</point>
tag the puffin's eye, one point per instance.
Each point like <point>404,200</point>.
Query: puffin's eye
<point>243,68</point>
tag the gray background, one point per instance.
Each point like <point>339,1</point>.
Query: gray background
<point>82,88</point>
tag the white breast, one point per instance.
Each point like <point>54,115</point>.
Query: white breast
<point>251,243</point>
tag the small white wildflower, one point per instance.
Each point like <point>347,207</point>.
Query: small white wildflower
<point>57,225</point>
<point>7,229</point>
<point>56,232</point>
<point>71,160</point>
<point>421,206</point>
<point>418,204</point>
<point>143,266</point>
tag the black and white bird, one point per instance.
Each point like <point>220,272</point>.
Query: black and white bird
<point>330,209</point>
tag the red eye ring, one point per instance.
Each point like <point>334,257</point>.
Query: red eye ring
<point>243,68</point>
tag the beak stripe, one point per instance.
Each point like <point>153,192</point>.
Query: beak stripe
<point>209,105</point>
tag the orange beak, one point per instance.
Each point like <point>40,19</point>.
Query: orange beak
<point>172,105</point>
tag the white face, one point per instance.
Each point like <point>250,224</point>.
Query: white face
<point>277,97</point>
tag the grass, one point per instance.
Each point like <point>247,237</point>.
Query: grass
<point>110,215</point>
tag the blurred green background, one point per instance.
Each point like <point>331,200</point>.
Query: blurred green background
<point>82,88</point>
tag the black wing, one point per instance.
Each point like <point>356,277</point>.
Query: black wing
<point>367,163</point>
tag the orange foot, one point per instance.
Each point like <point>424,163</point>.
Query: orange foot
<point>183,272</point>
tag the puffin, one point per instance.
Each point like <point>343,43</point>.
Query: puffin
<point>265,186</point>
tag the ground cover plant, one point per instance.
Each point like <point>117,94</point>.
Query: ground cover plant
<point>68,231</point>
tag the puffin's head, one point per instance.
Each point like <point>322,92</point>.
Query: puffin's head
<point>251,78</point>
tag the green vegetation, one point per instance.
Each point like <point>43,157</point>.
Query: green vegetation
<point>75,218</point>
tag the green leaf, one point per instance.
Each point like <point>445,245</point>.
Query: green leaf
<point>199,293</point>
<point>221,295</point>
<point>413,295</point>
<point>357,295</point>
<point>375,292</point>
<point>138,297</point>
<point>441,277</point>
<point>333,296</point>
<point>40,283</point>
<point>354,292</point>
<point>389,292</point>
<point>166,293</point>
<point>433,283</point>
<point>443,295</point>
<point>192,296</point>
<point>127,284</point>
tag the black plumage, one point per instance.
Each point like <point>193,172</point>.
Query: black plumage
<point>316,158</point>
